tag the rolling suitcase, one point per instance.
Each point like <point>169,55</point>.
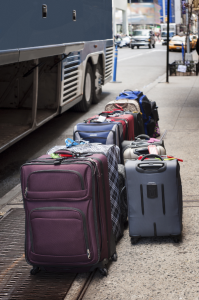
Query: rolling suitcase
<point>138,124</point>
<point>124,104</point>
<point>154,195</point>
<point>154,111</point>
<point>68,213</point>
<point>107,133</point>
<point>123,195</point>
<point>112,153</point>
<point>134,153</point>
<point>142,141</point>
<point>126,120</point>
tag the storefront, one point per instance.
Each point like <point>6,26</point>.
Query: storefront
<point>120,22</point>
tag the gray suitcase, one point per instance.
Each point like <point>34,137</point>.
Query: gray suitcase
<point>123,195</point>
<point>154,195</point>
<point>140,141</point>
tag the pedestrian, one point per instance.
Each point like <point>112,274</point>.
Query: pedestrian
<point>197,46</point>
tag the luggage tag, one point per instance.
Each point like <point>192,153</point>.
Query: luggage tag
<point>101,119</point>
<point>152,149</point>
<point>152,140</point>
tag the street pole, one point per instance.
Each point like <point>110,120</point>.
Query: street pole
<point>187,21</point>
<point>168,12</point>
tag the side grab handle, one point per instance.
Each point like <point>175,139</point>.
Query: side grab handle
<point>142,136</point>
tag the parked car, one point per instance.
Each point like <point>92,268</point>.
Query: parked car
<point>143,37</point>
<point>125,41</point>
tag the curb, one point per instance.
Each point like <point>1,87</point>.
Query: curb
<point>10,195</point>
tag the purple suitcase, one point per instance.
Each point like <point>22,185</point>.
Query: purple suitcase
<point>68,214</point>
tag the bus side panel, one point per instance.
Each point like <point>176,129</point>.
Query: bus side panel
<point>8,24</point>
<point>24,27</point>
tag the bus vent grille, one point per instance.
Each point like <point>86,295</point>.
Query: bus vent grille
<point>71,75</point>
<point>109,62</point>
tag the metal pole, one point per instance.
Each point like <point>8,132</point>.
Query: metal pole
<point>168,12</point>
<point>187,22</point>
<point>115,64</point>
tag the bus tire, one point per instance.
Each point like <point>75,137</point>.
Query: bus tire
<point>88,93</point>
<point>97,83</point>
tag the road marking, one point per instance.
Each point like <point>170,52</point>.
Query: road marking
<point>149,52</point>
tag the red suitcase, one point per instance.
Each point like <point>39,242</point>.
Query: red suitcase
<point>126,120</point>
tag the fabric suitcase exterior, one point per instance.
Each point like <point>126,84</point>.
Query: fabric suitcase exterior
<point>125,104</point>
<point>144,102</point>
<point>112,153</point>
<point>126,120</point>
<point>134,153</point>
<point>68,213</point>
<point>154,195</point>
<point>154,111</point>
<point>104,133</point>
<point>138,123</point>
<point>120,120</point>
<point>123,195</point>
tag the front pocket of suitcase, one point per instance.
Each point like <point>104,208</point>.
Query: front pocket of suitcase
<point>52,184</point>
<point>59,235</point>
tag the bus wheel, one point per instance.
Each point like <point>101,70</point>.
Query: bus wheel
<point>86,101</point>
<point>97,83</point>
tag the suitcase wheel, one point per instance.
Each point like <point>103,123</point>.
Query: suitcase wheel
<point>176,238</point>
<point>35,270</point>
<point>103,272</point>
<point>134,240</point>
<point>114,257</point>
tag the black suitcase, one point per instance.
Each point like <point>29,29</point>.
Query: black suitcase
<point>154,111</point>
<point>138,122</point>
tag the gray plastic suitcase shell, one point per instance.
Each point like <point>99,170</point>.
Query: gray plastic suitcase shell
<point>156,210</point>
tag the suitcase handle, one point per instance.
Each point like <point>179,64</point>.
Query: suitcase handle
<point>151,167</point>
<point>143,136</point>
<point>152,156</point>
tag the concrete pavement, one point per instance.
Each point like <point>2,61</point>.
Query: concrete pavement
<point>156,268</point>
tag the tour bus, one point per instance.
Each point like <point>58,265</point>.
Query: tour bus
<point>53,56</point>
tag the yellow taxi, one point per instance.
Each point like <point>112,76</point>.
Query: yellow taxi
<point>176,42</point>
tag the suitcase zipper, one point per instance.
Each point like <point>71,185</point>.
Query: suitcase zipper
<point>65,208</point>
<point>54,171</point>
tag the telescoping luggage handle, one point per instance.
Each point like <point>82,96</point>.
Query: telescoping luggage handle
<point>151,166</point>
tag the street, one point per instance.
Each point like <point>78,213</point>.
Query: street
<point>136,69</point>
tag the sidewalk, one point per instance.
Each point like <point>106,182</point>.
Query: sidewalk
<point>156,268</point>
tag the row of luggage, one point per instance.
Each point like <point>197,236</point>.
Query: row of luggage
<point>78,197</point>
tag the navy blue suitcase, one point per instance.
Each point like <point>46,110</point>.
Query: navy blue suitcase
<point>107,133</point>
